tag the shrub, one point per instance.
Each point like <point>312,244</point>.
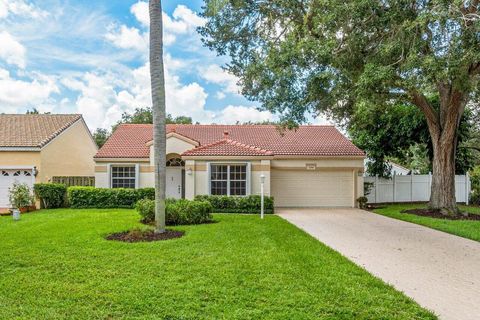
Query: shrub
<point>20,195</point>
<point>248,204</point>
<point>362,202</point>
<point>51,195</point>
<point>177,212</point>
<point>91,197</point>
<point>475,183</point>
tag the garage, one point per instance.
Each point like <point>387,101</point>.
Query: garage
<point>319,188</point>
<point>8,177</point>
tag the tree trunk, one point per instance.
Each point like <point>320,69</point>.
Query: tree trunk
<point>443,124</point>
<point>443,179</point>
<point>158,106</point>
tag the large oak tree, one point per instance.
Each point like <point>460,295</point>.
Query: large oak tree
<point>331,56</point>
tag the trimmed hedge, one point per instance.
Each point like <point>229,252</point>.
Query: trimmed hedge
<point>51,195</point>
<point>248,204</point>
<point>91,197</point>
<point>177,212</point>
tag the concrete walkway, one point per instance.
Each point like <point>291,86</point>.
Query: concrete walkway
<point>438,270</point>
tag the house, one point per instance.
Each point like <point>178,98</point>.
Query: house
<point>36,148</point>
<point>313,166</point>
<point>395,169</point>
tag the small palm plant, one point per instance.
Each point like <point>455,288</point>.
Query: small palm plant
<point>20,196</point>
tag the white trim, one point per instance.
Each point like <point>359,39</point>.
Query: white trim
<point>29,149</point>
<point>17,167</point>
<point>109,170</point>
<point>248,188</point>
<point>248,164</point>
<point>209,182</point>
<point>109,175</point>
<point>137,175</point>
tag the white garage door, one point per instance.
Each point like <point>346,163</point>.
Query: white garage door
<point>8,177</point>
<point>296,188</point>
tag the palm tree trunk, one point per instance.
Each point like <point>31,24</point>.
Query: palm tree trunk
<point>158,105</point>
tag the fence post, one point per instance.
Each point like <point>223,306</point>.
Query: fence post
<point>376,187</point>
<point>411,187</point>
<point>467,193</point>
<point>394,186</point>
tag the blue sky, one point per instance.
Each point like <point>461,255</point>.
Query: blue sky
<point>90,57</point>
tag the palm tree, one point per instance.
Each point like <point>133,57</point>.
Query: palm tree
<point>157,78</point>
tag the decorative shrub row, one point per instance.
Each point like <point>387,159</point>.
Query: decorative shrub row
<point>177,212</point>
<point>248,204</point>
<point>91,197</point>
<point>51,195</point>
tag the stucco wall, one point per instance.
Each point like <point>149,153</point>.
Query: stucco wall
<point>18,159</point>
<point>174,145</point>
<point>70,154</point>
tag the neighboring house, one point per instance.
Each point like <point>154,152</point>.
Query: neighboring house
<point>312,166</point>
<point>35,148</point>
<point>396,169</point>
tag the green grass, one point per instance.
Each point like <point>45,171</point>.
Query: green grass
<point>56,264</point>
<point>464,228</point>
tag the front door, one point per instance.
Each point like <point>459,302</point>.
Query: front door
<point>174,182</point>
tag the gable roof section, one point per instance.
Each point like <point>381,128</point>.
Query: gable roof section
<point>130,140</point>
<point>227,147</point>
<point>33,130</point>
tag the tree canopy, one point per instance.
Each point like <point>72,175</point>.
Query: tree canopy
<point>333,57</point>
<point>400,133</point>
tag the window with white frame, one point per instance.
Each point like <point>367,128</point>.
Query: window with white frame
<point>228,179</point>
<point>123,177</point>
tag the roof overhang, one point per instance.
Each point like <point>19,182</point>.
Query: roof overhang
<point>121,159</point>
<point>21,149</point>
<point>186,139</point>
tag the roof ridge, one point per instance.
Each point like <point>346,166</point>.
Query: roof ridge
<point>247,146</point>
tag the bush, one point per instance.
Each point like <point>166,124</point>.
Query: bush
<point>475,183</point>
<point>362,202</point>
<point>91,197</point>
<point>51,195</point>
<point>248,204</point>
<point>20,195</point>
<point>177,212</point>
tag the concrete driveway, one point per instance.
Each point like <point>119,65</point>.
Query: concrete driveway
<point>438,270</point>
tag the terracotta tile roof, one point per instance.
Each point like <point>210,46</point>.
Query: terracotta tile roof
<point>227,147</point>
<point>33,130</point>
<point>129,140</point>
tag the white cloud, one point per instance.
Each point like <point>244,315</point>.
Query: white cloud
<point>183,21</point>
<point>21,8</point>
<point>12,51</point>
<point>19,93</point>
<point>233,114</point>
<point>220,95</point>
<point>215,74</point>
<point>128,38</point>
<point>140,11</point>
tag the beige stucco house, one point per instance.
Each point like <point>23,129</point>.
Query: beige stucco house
<point>36,148</point>
<point>313,166</point>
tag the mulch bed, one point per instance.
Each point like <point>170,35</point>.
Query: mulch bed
<point>438,214</point>
<point>145,235</point>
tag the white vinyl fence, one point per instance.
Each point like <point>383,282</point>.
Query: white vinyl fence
<point>412,188</point>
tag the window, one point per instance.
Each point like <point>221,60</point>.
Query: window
<point>123,177</point>
<point>16,174</point>
<point>228,179</point>
<point>5,173</point>
<point>175,162</point>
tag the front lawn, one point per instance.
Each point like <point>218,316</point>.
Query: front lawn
<point>463,228</point>
<point>56,264</point>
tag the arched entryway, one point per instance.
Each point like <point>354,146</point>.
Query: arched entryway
<point>175,177</point>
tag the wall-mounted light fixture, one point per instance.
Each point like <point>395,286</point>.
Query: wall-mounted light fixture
<point>35,171</point>
<point>189,171</point>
